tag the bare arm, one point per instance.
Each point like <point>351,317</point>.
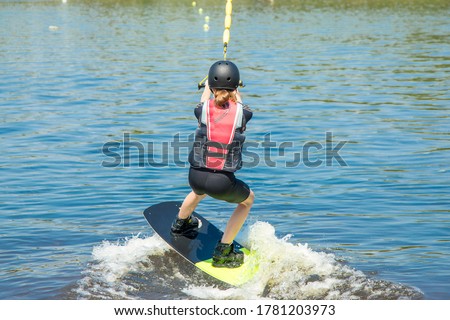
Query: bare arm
<point>238,96</point>
<point>206,93</point>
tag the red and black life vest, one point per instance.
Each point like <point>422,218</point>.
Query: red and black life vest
<point>219,138</point>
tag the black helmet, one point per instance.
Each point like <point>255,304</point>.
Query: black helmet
<point>223,75</point>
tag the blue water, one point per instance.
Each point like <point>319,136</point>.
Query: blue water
<point>76,76</point>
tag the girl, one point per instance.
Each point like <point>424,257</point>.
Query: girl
<point>215,156</point>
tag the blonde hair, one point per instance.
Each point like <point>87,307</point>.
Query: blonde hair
<point>222,96</point>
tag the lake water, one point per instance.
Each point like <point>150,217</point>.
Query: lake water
<point>352,191</point>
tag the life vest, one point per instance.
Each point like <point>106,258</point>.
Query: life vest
<point>219,138</point>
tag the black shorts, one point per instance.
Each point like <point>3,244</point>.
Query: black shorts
<point>220,185</point>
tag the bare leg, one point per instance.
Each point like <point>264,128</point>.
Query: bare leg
<point>237,219</point>
<point>189,204</point>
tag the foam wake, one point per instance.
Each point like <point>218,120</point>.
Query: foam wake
<point>294,271</point>
<point>112,262</point>
<point>146,268</point>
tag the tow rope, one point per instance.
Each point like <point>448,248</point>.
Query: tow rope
<point>226,39</point>
<point>226,32</point>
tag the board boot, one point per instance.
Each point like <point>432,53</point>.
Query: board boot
<point>225,256</point>
<point>188,226</point>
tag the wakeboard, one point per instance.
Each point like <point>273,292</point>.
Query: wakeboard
<point>198,247</point>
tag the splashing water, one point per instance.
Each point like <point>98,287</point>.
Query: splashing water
<point>147,268</point>
<point>294,271</point>
<point>113,261</point>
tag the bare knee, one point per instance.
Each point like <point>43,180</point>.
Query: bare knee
<point>250,199</point>
<point>200,197</point>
